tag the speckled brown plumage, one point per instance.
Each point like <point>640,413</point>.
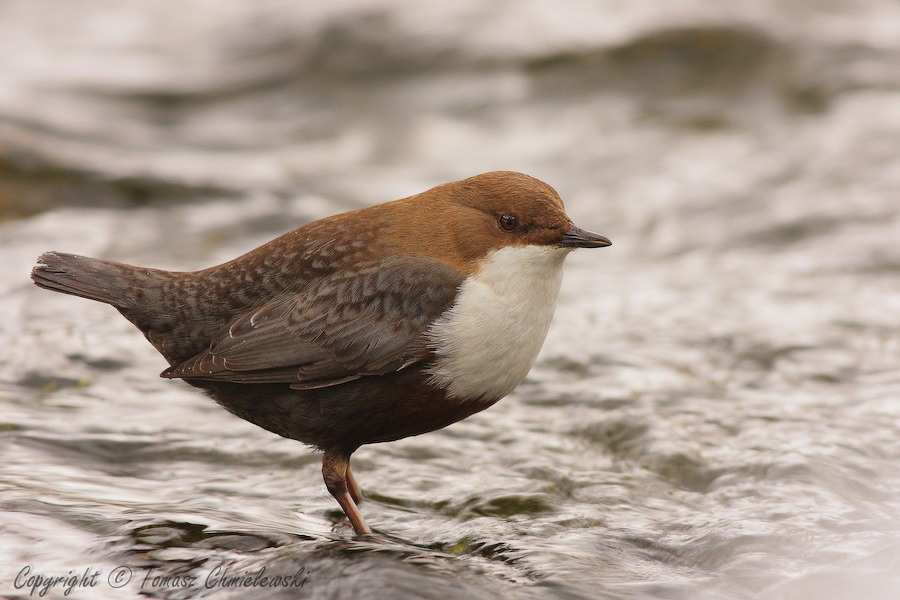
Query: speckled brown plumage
<point>365,320</point>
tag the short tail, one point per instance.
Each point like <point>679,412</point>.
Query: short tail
<point>92,278</point>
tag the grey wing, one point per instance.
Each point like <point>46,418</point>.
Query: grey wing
<point>370,320</point>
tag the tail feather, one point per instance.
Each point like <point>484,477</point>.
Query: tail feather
<point>91,278</point>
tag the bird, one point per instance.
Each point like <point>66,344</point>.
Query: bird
<point>369,326</point>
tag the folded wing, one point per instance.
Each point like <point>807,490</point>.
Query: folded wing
<point>369,320</point>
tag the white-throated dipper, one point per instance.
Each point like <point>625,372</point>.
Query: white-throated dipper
<point>364,327</point>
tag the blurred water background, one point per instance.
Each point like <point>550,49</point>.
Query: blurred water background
<point>716,412</point>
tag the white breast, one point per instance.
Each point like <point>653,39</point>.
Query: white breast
<point>488,340</point>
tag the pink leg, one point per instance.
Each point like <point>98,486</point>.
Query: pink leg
<point>335,471</point>
<point>353,487</point>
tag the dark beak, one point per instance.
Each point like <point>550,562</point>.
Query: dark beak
<point>579,238</point>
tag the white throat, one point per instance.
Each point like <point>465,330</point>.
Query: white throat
<point>488,340</point>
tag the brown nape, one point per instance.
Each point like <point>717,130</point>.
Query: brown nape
<point>459,221</point>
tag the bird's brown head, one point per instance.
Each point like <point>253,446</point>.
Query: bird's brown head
<point>464,221</point>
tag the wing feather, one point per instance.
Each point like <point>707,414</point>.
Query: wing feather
<point>370,320</point>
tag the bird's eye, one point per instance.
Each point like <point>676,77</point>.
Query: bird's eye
<point>508,222</point>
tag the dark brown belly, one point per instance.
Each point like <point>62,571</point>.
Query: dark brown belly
<point>344,417</point>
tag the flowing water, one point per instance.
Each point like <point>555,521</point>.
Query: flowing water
<point>715,413</point>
